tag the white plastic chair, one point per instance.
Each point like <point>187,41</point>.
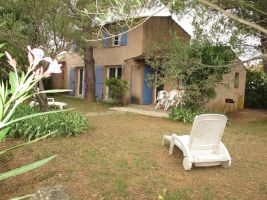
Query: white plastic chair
<point>179,100</point>
<point>172,99</point>
<point>203,147</point>
<point>162,98</point>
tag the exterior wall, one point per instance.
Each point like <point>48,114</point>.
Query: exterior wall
<point>58,79</point>
<point>226,90</point>
<point>72,60</point>
<point>139,40</point>
<point>132,73</point>
<point>117,55</point>
<point>159,30</point>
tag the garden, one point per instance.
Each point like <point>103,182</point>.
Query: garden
<point>89,151</point>
<point>121,157</point>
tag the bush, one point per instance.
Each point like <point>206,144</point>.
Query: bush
<point>186,115</point>
<point>66,123</point>
<point>256,90</point>
<point>117,89</point>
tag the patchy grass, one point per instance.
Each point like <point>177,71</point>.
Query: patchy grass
<point>123,159</point>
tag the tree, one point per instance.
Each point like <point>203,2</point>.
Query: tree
<point>198,65</point>
<point>35,23</point>
<point>238,18</point>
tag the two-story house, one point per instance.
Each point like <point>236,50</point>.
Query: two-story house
<point>123,56</point>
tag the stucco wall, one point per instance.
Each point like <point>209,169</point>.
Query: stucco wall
<point>117,55</point>
<point>160,30</point>
<point>58,79</point>
<point>72,60</point>
<point>132,73</point>
<point>226,90</point>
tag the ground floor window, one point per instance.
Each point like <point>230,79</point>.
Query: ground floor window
<point>114,72</point>
<point>80,81</point>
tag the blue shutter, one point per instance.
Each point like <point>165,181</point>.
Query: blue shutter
<point>72,81</point>
<point>99,82</point>
<point>105,41</point>
<point>124,38</point>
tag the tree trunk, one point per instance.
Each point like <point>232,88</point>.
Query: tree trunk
<point>263,37</point>
<point>89,65</point>
<point>264,51</point>
<point>41,98</point>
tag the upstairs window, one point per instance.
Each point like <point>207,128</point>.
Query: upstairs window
<point>116,40</point>
<point>236,81</point>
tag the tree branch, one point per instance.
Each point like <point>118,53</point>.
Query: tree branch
<point>234,17</point>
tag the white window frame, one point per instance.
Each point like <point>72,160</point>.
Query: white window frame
<point>116,75</point>
<point>78,85</point>
<point>119,41</point>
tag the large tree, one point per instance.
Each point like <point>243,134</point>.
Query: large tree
<point>239,19</point>
<point>41,23</point>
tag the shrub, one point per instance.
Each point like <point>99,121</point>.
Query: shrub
<point>117,89</point>
<point>66,123</point>
<point>256,90</point>
<point>186,115</point>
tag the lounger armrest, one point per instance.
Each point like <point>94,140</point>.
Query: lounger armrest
<point>182,145</point>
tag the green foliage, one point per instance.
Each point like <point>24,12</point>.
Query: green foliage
<point>117,89</point>
<point>186,115</point>
<point>256,89</point>
<point>66,123</point>
<point>198,65</point>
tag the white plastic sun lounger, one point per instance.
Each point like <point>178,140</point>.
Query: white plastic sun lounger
<point>162,98</point>
<point>203,147</point>
<point>51,103</point>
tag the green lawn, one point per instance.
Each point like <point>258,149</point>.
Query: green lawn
<point>122,158</point>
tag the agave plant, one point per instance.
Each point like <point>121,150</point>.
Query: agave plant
<point>16,90</point>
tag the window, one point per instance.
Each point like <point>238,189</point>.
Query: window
<point>236,81</point>
<point>116,40</point>
<point>80,81</point>
<point>115,72</point>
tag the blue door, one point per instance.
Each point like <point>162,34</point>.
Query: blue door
<point>99,82</point>
<point>147,90</point>
<point>72,81</point>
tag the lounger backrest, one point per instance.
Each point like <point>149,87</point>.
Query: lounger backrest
<point>207,131</point>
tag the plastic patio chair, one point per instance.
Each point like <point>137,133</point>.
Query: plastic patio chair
<point>162,98</point>
<point>179,99</point>
<point>172,99</point>
<point>203,147</point>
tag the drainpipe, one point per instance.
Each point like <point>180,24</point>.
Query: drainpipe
<point>131,84</point>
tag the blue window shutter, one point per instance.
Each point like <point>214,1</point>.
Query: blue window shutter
<point>72,81</point>
<point>99,82</point>
<point>124,38</point>
<point>105,41</point>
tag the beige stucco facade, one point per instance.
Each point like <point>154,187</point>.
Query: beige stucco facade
<point>228,90</point>
<point>130,58</point>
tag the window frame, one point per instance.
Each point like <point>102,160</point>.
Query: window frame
<point>236,80</point>
<point>113,41</point>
